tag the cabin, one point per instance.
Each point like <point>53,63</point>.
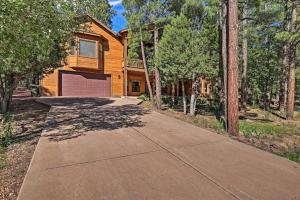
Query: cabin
<point>98,66</point>
<point>95,67</point>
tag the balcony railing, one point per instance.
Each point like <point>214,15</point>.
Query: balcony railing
<point>135,63</point>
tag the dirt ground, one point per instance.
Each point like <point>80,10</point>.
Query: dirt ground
<point>28,122</point>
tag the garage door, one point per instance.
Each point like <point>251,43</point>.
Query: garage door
<point>84,84</point>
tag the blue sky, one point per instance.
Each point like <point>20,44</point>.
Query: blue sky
<point>119,22</point>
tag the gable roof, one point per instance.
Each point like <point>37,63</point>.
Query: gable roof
<point>99,23</point>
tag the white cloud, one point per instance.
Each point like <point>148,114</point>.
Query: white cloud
<point>115,2</point>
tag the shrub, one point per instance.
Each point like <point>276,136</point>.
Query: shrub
<point>6,130</point>
<point>144,97</point>
<point>293,155</point>
<point>259,129</point>
<point>166,100</point>
<point>34,90</point>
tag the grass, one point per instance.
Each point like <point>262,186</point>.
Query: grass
<point>297,113</point>
<point>198,120</point>
<point>294,156</point>
<point>204,122</point>
<point>263,128</point>
<point>2,157</point>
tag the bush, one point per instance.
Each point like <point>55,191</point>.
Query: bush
<point>6,130</point>
<point>167,100</point>
<point>293,155</point>
<point>144,97</point>
<point>34,89</point>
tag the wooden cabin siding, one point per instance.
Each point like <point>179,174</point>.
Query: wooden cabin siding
<point>85,62</point>
<point>72,60</point>
<point>49,86</point>
<point>135,76</point>
<point>113,58</point>
<point>111,63</point>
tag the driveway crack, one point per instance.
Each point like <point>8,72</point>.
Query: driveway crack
<point>100,160</point>
<point>189,164</point>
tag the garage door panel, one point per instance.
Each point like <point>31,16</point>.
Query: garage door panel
<point>85,84</point>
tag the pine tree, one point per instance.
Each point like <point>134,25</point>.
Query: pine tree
<point>292,67</point>
<point>244,84</point>
<point>233,108</point>
<point>136,19</point>
<point>224,56</point>
<point>100,9</point>
<point>173,54</point>
<point>158,13</point>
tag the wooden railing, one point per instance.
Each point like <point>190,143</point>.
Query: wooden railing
<point>135,63</point>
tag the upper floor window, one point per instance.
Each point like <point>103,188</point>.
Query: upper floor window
<point>87,48</point>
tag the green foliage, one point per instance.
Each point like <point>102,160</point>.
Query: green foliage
<point>260,129</point>
<point>142,17</point>
<point>100,9</point>
<point>265,51</point>
<point>189,43</point>
<point>204,122</point>
<point>34,90</point>
<point>174,46</point>
<point>6,130</point>
<point>167,100</point>
<point>293,155</point>
<point>144,97</point>
<point>2,157</point>
<point>213,124</point>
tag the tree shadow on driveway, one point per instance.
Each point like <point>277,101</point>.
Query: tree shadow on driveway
<point>70,118</point>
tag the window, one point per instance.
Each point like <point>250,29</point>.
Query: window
<point>87,48</point>
<point>72,47</point>
<point>135,86</point>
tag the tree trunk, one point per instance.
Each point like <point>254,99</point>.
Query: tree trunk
<point>173,93</point>
<point>244,84</point>
<point>224,7</point>
<point>4,104</point>
<point>291,79</point>
<point>193,96</point>
<point>285,63</point>
<point>284,77</point>
<point>157,71</point>
<point>177,91</point>
<point>145,68</point>
<point>6,93</point>
<point>233,107</point>
<point>183,97</point>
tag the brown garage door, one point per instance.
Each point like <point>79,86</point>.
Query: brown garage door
<point>84,84</point>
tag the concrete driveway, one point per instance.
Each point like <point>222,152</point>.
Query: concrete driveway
<point>111,149</point>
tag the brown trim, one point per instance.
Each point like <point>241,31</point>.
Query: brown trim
<point>89,33</point>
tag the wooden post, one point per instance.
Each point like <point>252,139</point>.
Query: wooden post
<point>233,107</point>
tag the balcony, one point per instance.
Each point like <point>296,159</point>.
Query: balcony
<point>135,65</point>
